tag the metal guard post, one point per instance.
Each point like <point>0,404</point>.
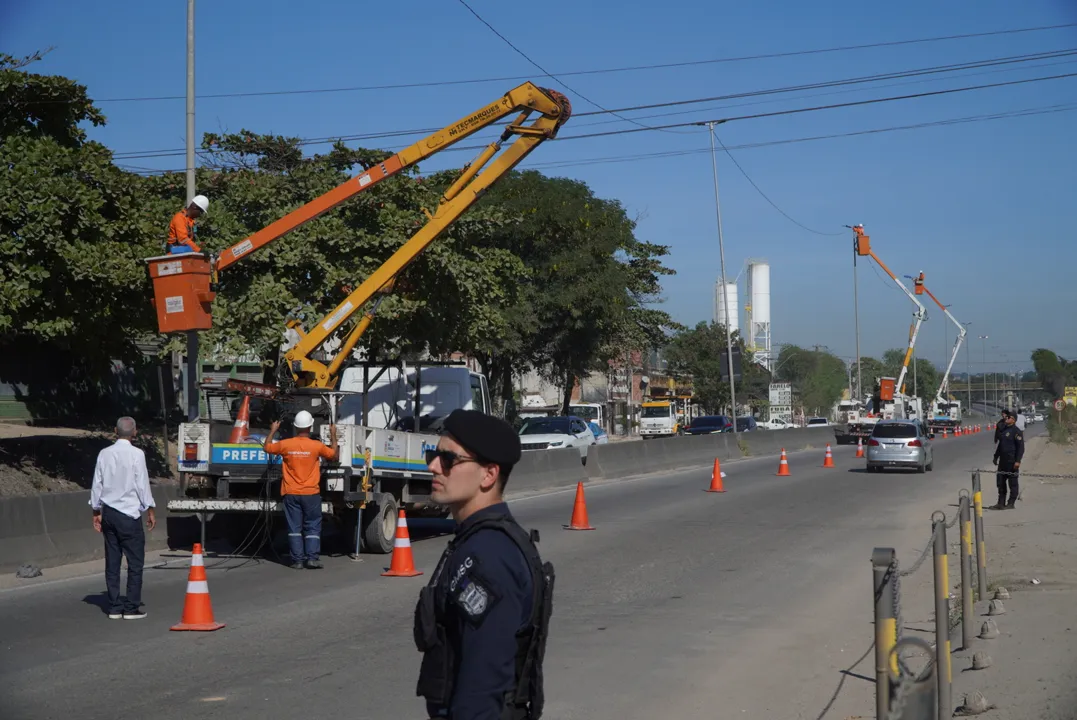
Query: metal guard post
<point>981,548</point>
<point>966,569</point>
<point>944,672</point>
<point>921,698</point>
<point>882,561</point>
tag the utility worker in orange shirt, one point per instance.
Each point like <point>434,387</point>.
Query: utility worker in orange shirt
<point>301,486</point>
<point>181,229</point>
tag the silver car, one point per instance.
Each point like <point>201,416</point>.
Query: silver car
<point>900,443</point>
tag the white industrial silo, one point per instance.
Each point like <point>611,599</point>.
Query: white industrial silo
<point>759,314</point>
<point>720,299</point>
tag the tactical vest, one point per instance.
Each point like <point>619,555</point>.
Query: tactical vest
<point>439,666</point>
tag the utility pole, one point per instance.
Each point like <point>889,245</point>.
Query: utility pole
<point>724,295</point>
<point>856,320</point>
<point>983,347</point>
<point>192,335</point>
<point>968,365</point>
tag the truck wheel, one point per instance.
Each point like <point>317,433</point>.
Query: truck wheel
<point>379,525</point>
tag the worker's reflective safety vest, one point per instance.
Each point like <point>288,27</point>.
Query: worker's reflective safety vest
<point>525,701</point>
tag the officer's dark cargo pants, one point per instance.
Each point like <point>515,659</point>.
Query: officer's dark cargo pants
<point>1003,478</point>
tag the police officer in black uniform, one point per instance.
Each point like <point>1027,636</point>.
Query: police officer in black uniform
<point>482,621</point>
<point>1008,454</point>
<point>1001,424</point>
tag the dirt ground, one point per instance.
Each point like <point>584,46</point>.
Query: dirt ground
<point>1032,552</point>
<point>36,460</point>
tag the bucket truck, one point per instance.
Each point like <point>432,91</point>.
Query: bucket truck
<point>387,417</point>
<point>945,411</point>
<point>889,399</point>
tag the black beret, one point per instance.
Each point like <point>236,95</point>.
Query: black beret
<point>487,437</point>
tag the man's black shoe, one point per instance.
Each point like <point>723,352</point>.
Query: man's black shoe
<point>296,566</point>
<point>314,564</point>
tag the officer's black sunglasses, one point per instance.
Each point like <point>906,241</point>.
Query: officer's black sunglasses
<point>448,458</point>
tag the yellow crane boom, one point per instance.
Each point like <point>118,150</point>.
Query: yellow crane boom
<point>553,110</point>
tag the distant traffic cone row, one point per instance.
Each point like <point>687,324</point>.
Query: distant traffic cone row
<point>783,465</point>
<point>402,564</point>
<point>716,478</point>
<point>579,512</point>
<point>860,447</point>
<point>828,460</point>
<point>197,609</point>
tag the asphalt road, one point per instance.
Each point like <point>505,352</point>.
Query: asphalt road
<point>743,604</point>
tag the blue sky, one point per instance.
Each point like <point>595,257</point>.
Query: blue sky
<point>985,209</point>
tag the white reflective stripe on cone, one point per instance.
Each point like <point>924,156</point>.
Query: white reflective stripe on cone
<point>401,522</point>
<point>197,587</point>
<point>196,560</point>
<point>401,542</point>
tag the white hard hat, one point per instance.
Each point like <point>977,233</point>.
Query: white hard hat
<point>201,201</point>
<point>303,419</point>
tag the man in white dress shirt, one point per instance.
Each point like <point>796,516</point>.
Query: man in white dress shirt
<point>120,494</point>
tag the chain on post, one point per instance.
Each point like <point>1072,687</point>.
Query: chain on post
<point>899,630</point>
<point>1022,473</point>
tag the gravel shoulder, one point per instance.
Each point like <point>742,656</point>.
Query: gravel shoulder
<point>1032,552</point>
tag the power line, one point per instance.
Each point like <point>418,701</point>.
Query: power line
<point>764,195</point>
<point>933,70</point>
<point>630,68</point>
<point>770,143</point>
<point>545,72</point>
<point>816,108</point>
<point>635,157</point>
<point>134,154</point>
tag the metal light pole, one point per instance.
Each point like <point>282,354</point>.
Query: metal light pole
<point>724,295</point>
<point>968,365</point>
<point>983,346</point>
<point>856,322</point>
<point>192,335</point>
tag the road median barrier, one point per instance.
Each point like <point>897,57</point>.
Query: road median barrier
<point>55,529</point>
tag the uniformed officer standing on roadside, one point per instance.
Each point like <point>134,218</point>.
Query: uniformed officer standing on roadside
<point>482,621</point>
<point>1008,454</point>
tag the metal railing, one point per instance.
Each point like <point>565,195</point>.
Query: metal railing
<point>900,693</point>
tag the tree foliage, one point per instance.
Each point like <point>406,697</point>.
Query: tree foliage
<point>698,352</point>
<point>1054,373</point>
<point>817,376</point>
<point>539,273</point>
<point>73,227</point>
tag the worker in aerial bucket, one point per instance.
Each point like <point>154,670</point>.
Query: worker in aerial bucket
<point>181,229</point>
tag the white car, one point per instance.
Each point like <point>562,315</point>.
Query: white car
<point>553,433</point>
<point>1038,417</point>
<point>776,424</point>
<point>817,422</point>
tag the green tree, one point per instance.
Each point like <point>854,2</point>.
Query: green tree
<point>698,352</point>
<point>1053,372</point>
<point>73,227</point>
<point>818,377</point>
<point>588,288</point>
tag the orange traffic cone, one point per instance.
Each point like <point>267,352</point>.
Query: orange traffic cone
<point>579,512</point>
<point>783,465</point>
<point>243,421</point>
<point>197,609</point>
<point>828,460</point>
<point>860,447</point>
<point>716,478</point>
<point>402,564</point>
<point>944,433</point>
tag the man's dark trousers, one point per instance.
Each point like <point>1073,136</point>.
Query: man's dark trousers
<point>124,538</point>
<point>303,514</point>
<point>1005,466</point>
